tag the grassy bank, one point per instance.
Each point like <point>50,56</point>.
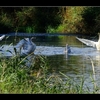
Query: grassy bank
<point>17,77</point>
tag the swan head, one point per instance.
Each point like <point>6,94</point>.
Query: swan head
<point>99,37</point>
<point>98,33</point>
<point>3,36</point>
<point>32,38</point>
<point>29,39</point>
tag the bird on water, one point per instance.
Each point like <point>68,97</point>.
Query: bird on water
<point>95,44</point>
<point>67,49</point>
<point>2,37</point>
<point>26,45</point>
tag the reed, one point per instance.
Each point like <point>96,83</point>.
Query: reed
<point>16,77</point>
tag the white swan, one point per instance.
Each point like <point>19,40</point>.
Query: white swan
<point>95,44</point>
<point>25,46</point>
<point>2,37</point>
<point>67,49</point>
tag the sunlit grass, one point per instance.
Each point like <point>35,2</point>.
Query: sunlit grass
<point>16,77</point>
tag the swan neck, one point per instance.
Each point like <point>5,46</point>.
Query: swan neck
<point>99,37</point>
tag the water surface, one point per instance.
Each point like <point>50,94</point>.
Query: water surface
<point>83,61</point>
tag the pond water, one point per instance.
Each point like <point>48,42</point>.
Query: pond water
<point>83,61</point>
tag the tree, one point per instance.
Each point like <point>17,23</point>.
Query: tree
<point>46,16</point>
<point>91,18</point>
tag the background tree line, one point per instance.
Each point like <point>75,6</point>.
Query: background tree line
<point>83,20</point>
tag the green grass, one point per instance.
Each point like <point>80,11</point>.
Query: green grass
<point>18,78</point>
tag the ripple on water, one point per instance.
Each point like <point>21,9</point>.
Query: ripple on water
<point>52,50</point>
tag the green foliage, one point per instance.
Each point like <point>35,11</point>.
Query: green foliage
<point>16,18</point>
<point>5,23</point>
<point>19,18</point>
<point>16,77</point>
<point>29,30</point>
<point>78,19</point>
<point>91,18</point>
<point>66,19</point>
<point>59,29</point>
<point>44,17</point>
<point>71,20</point>
<point>25,17</point>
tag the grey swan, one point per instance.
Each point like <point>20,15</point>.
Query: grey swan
<point>25,46</point>
<point>95,44</point>
<point>67,49</point>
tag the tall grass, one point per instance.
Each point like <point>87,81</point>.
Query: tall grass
<point>17,77</point>
<point>30,74</point>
